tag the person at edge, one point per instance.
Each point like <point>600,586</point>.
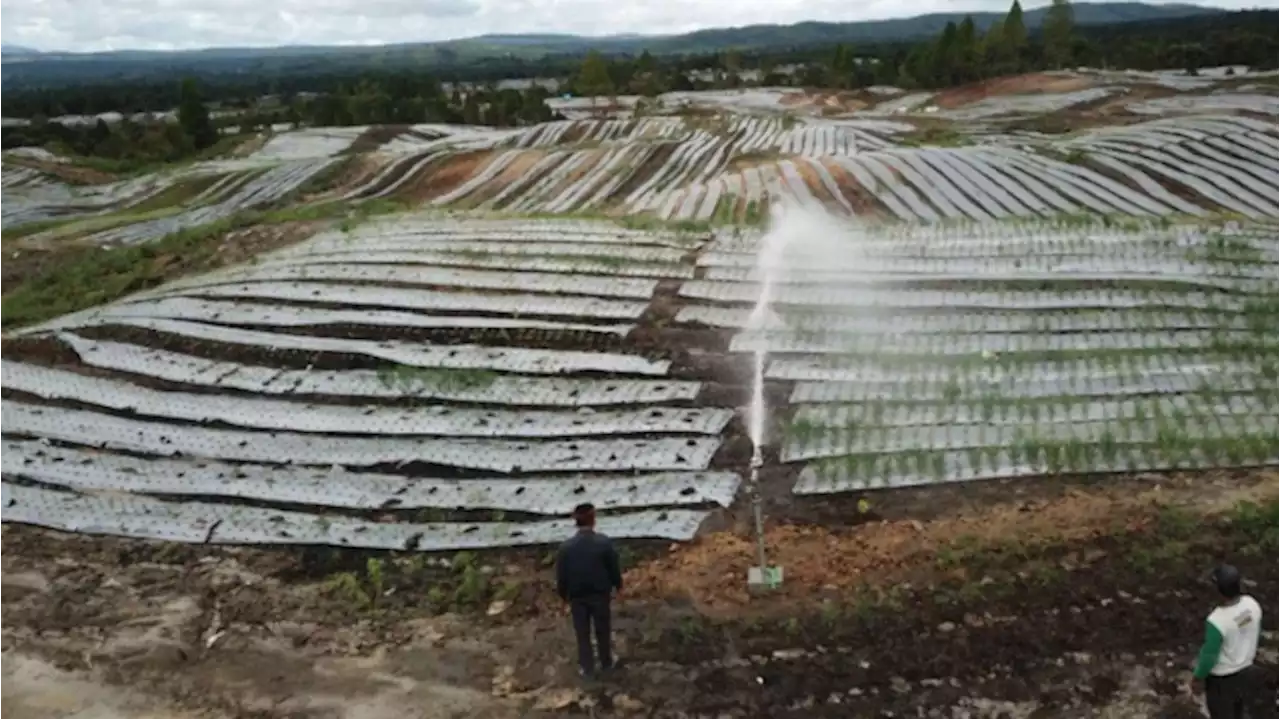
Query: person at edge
<point>1230,644</point>
<point>587,576</point>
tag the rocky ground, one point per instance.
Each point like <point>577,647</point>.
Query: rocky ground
<point>1060,599</point>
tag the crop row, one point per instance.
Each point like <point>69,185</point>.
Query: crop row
<point>260,190</point>
<point>1033,457</point>
<point>208,389</point>
<point>832,166</point>
<point>1235,173</point>
<point>1230,161</point>
<point>130,515</point>
<point>924,354</point>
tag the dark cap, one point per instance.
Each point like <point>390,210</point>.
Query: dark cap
<point>1227,579</point>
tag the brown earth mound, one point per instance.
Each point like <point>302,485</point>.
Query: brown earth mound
<point>69,173</point>
<point>452,172</point>
<point>1029,84</point>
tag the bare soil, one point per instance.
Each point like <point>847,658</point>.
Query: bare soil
<point>863,200</point>
<point>516,170</point>
<point>642,173</point>
<point>442,178</point>
<point>1032,83</point>
<point>354,172</point>
<point>375,137</point>
<point>1075,601</point>
<point>826,102</point>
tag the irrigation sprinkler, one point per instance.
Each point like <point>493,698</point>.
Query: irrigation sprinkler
<point>761,577</point>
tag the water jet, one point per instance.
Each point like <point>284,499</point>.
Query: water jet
<point>769,264</point>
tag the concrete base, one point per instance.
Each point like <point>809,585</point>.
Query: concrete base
<point>763,579</point>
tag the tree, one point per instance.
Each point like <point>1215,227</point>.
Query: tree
<point>1015,37</point>
<point>731,60</point>
<point>593,77</point>
<point>193,117</point>
<point>994,50</point>
<point>646,80</point>
<point>1059,25</point>
<point>100,133</point>
<point>966,51</point>
<point>945,56</point>
<point>840,70</point>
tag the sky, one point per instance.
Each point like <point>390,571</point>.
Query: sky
<point>85,25</point>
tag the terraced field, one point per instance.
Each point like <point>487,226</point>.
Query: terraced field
<point>418,363</point>
<point>995,352</point>
<point>1175,153</point>
<point>562,313</point>
<point>446,355</point>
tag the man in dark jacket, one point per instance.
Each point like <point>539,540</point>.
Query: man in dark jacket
<point>587,574</point>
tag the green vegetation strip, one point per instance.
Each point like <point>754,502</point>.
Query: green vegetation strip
<point>92,276</point>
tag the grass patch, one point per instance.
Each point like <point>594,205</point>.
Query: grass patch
<point>756,213</point>
<point>100,275</point>
<point>933,136</point>
<point>141,166</point>
<point>35,228</point>
<point>177,195</point>
<point>97,223</point>
<point>649,222</point>
<point>458,584</point>
<point>349,214</point>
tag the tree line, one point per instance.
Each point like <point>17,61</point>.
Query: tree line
<point>960,53</point>
<point>402,99</point>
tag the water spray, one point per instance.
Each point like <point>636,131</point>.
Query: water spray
<point>769,263</point>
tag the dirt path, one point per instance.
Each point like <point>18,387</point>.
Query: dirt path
<point>36,689</point>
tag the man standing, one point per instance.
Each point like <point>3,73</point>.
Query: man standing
<point>587,574</point>
<point>1230,643</point>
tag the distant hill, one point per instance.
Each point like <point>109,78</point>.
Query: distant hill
<point>17,50</point>
<point>29,68</point>
<point>711,39</point>
<point>547,40</point>
<point>813,33</point>
<point>817,33</point>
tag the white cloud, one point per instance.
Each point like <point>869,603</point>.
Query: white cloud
<point>84,25</point>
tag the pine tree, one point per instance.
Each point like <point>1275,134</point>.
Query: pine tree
<point>593,77</point>
<point>840,70</point>
<point>1059,23</point>
<point>993,51</point>
<point>945,56</point>
<point>193,117</point>
<point>1015,37</point>
<point>966,63</point>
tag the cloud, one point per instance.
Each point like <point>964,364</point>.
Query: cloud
<point>83,25</point>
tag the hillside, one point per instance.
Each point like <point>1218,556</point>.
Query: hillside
<point>798,35</point>
<point>18,50</point>
<point>292,429</point>
<point>879,31</point>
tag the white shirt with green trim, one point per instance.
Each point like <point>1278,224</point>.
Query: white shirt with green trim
<point>1239,624</point>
